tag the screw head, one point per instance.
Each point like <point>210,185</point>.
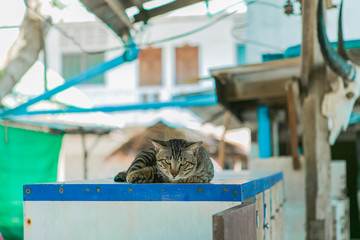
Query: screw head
<point>267,225</point>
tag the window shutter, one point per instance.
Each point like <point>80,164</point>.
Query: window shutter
<point>71,65</point>
<point>75,63</point>
<point>150,66</point>
<point>187,64</point>
<point>92,60</point>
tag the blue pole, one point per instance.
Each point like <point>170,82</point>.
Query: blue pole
<point>197,101</point>
<point>130,54</point>
<point>264,131</point>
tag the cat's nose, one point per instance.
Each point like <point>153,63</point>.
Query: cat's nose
<point>174,172</point>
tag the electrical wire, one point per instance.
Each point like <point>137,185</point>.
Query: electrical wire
<point>192,31</point>
<point>9,27</point>
<point>254,42</point>
<point>123,47</point>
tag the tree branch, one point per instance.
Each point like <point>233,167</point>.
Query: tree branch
<point>25,50</point>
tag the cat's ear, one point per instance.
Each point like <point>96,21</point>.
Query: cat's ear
<point>158,145</point>
<point>194,147</point>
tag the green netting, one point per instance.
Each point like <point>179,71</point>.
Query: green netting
<point>25,157</point>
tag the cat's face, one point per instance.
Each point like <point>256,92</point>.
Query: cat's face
<point>176,158</point>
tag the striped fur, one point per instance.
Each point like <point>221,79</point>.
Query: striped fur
<point>173,161</point>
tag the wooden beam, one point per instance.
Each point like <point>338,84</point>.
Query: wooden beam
<point>315,140</point>
<point>284,68</point>
<point>240,91</point>
<point>165,8</point>
<point>292,120</point>
<point>119,10</point>
<point>131,3</point>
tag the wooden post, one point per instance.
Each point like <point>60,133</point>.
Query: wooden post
<point>222,147</point>
<point>85,154</point>
<point>292,120</point>
<point>315,141</point>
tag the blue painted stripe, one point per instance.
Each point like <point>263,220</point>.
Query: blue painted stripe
<point>131,192</point>
<point>148,192</point>
<point>254,187</point>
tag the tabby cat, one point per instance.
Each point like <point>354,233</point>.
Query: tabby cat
<point>173,161</point>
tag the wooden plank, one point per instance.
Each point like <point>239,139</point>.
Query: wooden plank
<point>307,52</point>
<point>274,218</point>
<point>315,139</point>
<point>119,10</point>
<point>259,214</point>
<point>240,91</point>
<point>267,225</point>
<point>292,65</point>
<point>277,212</point>
<point>292,121</point>
<point>165,8</point>
<point>237,223</point>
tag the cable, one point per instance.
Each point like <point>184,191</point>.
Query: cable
<point>261,44</point>
<point>9,27</point>
<point>191,32</point>
<point>211,23</point>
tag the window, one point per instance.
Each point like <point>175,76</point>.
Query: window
<point>150,69</point>
<point>187,64</point>
<point>241,57</point>
<point>78,62</point>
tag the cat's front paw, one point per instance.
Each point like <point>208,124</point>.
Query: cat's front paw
<point>136,178</point>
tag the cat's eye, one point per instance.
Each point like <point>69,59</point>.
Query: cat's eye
<point>183,163</point>
<point>168,161</point>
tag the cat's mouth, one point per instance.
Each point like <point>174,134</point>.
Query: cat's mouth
<point>175,178</point>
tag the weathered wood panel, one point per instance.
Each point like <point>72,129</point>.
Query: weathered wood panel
<point>292,121</point>
<point>239,91</point>
<point>267,206</point>
<point>237,223</point>
<point>276,213</point>
<point>315,141</point>
<point>259,213</point>
<point>164,9</point>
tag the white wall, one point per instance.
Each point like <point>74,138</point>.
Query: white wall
<point>217,49</point>
<point>271,26</point>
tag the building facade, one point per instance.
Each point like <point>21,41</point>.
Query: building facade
<point>163,70</point>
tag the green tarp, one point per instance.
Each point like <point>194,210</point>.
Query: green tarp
<point>25,157</point>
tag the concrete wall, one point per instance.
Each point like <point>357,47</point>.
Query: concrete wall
<point>71,162</point>
<point>295,210</point>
